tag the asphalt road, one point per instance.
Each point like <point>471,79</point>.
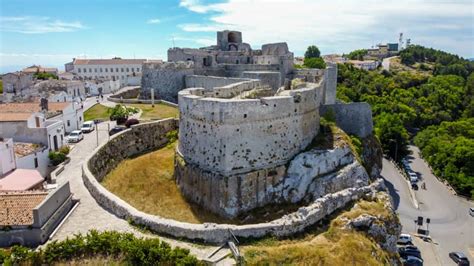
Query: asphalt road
<point>451,227</point>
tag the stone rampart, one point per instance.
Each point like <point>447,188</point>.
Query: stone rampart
<point>270,78</point>
<point>165,78</point>
<point>353,118</point>
<point>231,136</point>
<point>210,82</point>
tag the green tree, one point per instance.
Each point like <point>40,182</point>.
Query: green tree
<point>314,63</point>
<point>357,54</point>
<point>312,52</point>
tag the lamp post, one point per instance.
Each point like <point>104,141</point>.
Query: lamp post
<point>396,148</point>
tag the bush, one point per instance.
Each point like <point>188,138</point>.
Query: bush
<point>120,113</point>
<point>65,150</point>
<point>130,122</point>
<point>135,251</point>
<point>56,157</point>
<point>314,63</point>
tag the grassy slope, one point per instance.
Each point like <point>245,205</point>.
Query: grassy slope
<point>336,246</point>
<point>153,189</point>
<point>98,111</point>
<point>160,111</point>
<point>1,86</point>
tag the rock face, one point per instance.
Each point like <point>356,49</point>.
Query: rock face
<point>372,156</point>
<point>309,176</point>
<point>385,230</point>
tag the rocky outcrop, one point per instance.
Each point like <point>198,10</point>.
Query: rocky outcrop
<point>372,156</point>
<point>384,228</point>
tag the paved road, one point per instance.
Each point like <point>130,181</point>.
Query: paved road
<point>452,228</point>
<point>89,214</point>
<point>386,63</point>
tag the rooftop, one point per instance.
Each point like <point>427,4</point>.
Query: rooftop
<point>22,149</point>
<point>34,69</point>
<point>113,61</point>
<point>21,180</point>
<point>31,107</point>
<point>16,208</point>
<point>14,117</point>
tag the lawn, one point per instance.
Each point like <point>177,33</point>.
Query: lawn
<point>98,111</point>
<point>147,183</point>
<point>160,111</point>
<point>1,86</point>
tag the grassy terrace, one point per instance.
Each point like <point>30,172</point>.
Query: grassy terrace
<point>98,111</point>
<point>160,111</point>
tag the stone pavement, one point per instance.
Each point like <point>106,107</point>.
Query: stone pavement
<point>89,215</point>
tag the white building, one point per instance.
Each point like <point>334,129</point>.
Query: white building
<point>128,71</point>
<point>74,90</point>
<point>94,87</point>
<point>7,156</point>
<point>366,64</point>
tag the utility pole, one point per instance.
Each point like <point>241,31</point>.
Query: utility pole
<point>152,97</point>
<point>97,134</point>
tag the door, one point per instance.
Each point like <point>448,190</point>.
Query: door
<point>55,141</point>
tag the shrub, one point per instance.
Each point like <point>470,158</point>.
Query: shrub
<point>172,136</point>
<point>130,122</point>
<point>56,157</point>
<point>314,63</point>
<point>65,150</point>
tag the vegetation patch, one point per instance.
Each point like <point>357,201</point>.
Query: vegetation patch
<point>335,246</point>
<point>97,112</point>
<point>160,111</point>
<point>110,246</point>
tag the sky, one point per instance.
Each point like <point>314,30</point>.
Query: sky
<point>52,32</point>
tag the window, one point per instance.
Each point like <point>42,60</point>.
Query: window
<point>95,70</point>
<point>79,70</point>
<point>36,162</point>
<point>68,123</point>
<point>100,70</point>
<point>116,69</point>
<point>106,70</point>
<point>127,69</point>
<point>138,69</point>
<point>111,70</point>
<point>90,70</point>
<point>121,70</point>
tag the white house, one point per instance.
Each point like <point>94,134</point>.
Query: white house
<point>94,87</point>
<point>366,64</point>
<point>53,90</point>
<point>127,71</point>
<point>7,156</point>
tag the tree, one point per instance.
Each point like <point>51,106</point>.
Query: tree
<point>314,63</point>
<point>357,54</point>
<point>312,52</point>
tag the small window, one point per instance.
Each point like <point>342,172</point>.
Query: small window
<point>79,70</point>
<point>116,69</point>
<point>90,70</point>
<point>127,69</point>
<point>100,69</point>
<point>95,70</point>
<point>245,115</point>
<point>111,70</point>
<point>121,69</point>
<point>36,162</point>
<point>68,123</point>
<point>106,70</point>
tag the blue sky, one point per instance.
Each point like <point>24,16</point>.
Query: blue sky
<point>51,32</point>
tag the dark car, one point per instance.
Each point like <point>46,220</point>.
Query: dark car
<point>412,261</point>
<point>411,248</point>
<point>404,252</point>
<point>459,258</point>
<point>414,186</point>
<point>116,130</point>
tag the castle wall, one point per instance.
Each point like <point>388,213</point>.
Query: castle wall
<point>231,136</point>
<point>353,118</point>
<point>331,84</point>
<point>167,79</point>
<point>269,78</point>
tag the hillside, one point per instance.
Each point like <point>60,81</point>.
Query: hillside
<point>426,88</point>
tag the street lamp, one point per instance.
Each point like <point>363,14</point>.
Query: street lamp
<point>396,148</point>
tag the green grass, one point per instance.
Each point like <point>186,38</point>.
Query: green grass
<point>335,246</point>
<point>160,111</point>
<point>98,111</point>
<point>1,86</point>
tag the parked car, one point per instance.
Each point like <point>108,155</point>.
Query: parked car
<point>88,126</point>
<point>404,239</point>
<point>414,185</point>
<point>75,136</point>
<point>411,247</point>
<point>459,258</point>
<point>413,176</point>
<point>130,122</point>
<point>409,252</point>
<point>412,261</point>
<point>116,130</point>
<point>471,211</point>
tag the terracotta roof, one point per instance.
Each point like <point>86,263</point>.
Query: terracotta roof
<point>31,107</point>
<point>34,69</point>
<point>16,208</point>
<point>21,180</point>
<point>107,61</point>
<point>13,117</point>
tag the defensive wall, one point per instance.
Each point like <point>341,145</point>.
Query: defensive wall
<point>120,146</point>
<point>46,217</point>
<point>353,118</point>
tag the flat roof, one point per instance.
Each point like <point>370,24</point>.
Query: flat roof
<point>21,180</point>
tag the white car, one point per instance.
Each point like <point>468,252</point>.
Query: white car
<point>75,136</point>
<point>413,177</point>
<point>471,211</point>
<point>404,239</point>
<point>88,126</point>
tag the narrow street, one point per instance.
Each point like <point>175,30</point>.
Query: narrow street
<point>451,227</point>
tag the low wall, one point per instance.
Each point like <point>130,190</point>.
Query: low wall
<point>270,78</point>
<point>353,118</point>
<point>131,93</point>
<point>209,82</point>
<point>141,101</point>
<point>129,143</point>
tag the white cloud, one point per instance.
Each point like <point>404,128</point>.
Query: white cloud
<point>37,25</point>
<point>153,21</point>
<point>337,25</point>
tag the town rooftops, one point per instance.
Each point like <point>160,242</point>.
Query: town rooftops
<point>21,180</point>
<point>113,61</point>
<point>16,208</point>
<point>14,117</point>
<point>35,69</point>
